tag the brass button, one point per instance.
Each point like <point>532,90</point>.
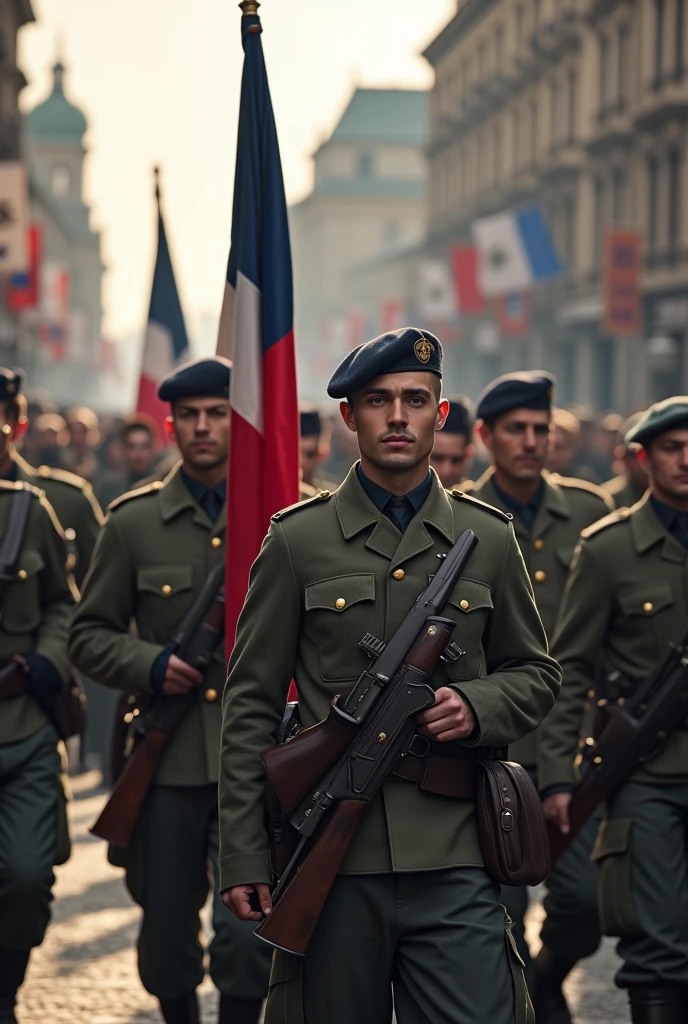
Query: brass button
<point>70,534</point>
<point>539,544</point>
<point>325,494</point>
<point>464,604</point>
<point>340,602</point>
<point>216,542</point>
<point>211,695</point>
<point>167,589</point>
<point>398,574</point>
<point>648,606</point>
<point>540,576</point>
<point>22,574</point>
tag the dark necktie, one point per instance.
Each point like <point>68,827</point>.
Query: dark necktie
<point>400,511</point>
<point>212,503</point>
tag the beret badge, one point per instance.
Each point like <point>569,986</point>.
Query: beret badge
<point>423,349</point>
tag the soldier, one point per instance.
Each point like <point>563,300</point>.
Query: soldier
<point>155,552</point>
<point>413,907</point>
<point>628,486</point>
<point>453,452</point>
<point>315,449</point>
<point>625,601</point>
<point>549,514</point>
<point>36,605</point>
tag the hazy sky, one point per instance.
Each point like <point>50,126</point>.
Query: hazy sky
<point>159,82</point>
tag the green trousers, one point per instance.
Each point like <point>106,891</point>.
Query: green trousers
<point>172,865</point>
<point>432,944</point>
<point>642,860</point>
<point>31,806</point>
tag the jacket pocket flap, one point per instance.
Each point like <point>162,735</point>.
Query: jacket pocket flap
<point>165,580</point>
<point>29,564</point>
<point>647,600</point>
<point>469,596</point>
<point>339,592</point>
<point>613,837</point>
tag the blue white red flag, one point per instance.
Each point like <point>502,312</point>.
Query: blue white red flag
<point>166,343</point>
<point>257,333</point>
<point>515,251</point>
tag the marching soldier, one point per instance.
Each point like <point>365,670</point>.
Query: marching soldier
<point>413,908</point>
<point>35,608</point>
<point>625,601</point>
<point>549,514</point>
<point>155,552</point>
<point>315,448</point>
<point>452,454</point>
<point>628,486</point>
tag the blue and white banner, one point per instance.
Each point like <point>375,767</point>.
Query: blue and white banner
<point>515,251</point>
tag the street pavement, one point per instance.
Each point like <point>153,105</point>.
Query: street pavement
<point>85,971</point>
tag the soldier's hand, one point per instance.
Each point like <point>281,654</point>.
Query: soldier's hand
<point>179,677</point>
<point>238,900</point>
<point>449,718</point>
<point>556,809</point>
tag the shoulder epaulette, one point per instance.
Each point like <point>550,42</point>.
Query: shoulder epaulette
<point>138,492</point>
<point>620,516</point>
<point>21,485</point>
<point>577,484</point>
<point>319,497</point>
<point>63,476</point>
<point>461,495</point>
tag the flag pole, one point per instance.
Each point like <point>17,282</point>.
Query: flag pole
<point>156,179</point>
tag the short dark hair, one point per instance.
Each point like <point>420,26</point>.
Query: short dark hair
<point>140,421</point>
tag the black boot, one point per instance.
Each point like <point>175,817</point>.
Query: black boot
<point>549,1002</point>
<point>656,1004</point>
<point>13,963</point>
<point>239,1011</point>
<point>180,1011</point>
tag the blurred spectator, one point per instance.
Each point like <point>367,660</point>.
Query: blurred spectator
<point>315,447</point>
<point>343,451</point>
<point>140,443</point>
<point>631,481</point>
<point>564,448</point>
<point>452,453</point>
<point>84,435</point>
<point>51,438</point>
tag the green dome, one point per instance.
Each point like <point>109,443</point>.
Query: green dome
<point>56,119</point>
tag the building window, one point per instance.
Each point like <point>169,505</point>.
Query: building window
<point>675,169</point>
<point>499,47</point>
<point>534,134</point>
<point>520,19</point>
<point>679,33</point>
<point>659,43</point>
<point>605,72</point>
<point>569,232</point>
<point>600,219</point>
<point>517,136</point>
<point>572,104</point>
<point>497,153</point>
<point>60,181</point>
<point>365,165</point>
<point>482,61</point>
<point>619,191</point>
<point>554,90</point>
<point>622,65</point>
<point>536,13</point>
<point>652,200</point>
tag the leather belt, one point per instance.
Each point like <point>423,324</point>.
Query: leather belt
<point>442,776</point>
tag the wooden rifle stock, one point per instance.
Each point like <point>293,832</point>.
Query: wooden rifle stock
<point>118,817</point>
<point>292,920</point>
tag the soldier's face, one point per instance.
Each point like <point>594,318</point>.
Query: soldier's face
<point>667,464</point>
<point>451,458</point>
<point>201,429</point>
<point>311,457</point>
<point>395,417</point>
<point>518,442</point>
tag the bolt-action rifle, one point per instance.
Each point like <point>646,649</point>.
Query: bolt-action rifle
<point>194,641</point>
<point>325,778</point>
<point>634,731</point>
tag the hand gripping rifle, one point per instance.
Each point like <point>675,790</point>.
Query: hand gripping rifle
<point>195,641</point>
<point>633,732</point>
<point>325,778</point>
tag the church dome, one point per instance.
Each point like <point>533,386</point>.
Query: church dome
<point>56,119</point>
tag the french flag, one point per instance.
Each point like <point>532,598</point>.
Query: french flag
<point>257,332</point>
<point>515,251</point>
<point>166,343</point>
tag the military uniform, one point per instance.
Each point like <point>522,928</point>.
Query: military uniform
<point>36,609</point>
<point>413,907</point>
<point>623,491</point>
<point>625,601</point>
<point>155,552</point>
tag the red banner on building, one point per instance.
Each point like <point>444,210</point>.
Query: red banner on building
<point>622,313</point>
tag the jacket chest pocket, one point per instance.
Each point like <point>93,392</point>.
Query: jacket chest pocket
<point>469,605</point>
<point>342,610</point>
<point>21,605</point>
<point>648,616</point>
<point>163,595</point>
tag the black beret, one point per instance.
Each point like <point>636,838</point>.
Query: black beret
<point>204,378</point>
<point>530,389</point>
<point>461,416</point>
<point>310,421</point>
<point>671,414</point>
<point>400,351</point>
<point>11,383</point>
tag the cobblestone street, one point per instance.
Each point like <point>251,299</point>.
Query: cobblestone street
<point>85,972</point>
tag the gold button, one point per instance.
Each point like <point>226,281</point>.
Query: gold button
<point>464,604</point>
<point>211,695</point>
<point>540,576</point>
<point>398,574</point>
<point>167,590</point>
<point>216,542</point>
<point>340,602</point>
<point>539,544</point>
<point>648,606</point>
<point>22,574</point>
<point>70,534</point>
<point>325,494</point>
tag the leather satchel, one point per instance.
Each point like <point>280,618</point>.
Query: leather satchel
<point>511,825</point>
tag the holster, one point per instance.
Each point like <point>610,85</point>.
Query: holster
<point>511,825</point>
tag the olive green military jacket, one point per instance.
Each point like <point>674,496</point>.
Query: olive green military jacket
<point>331,570</point>
<point>622,491</point>
<point>152,558</point>
<point>568,506</point>
<point>626,599</point>
<point>75,506</point>
<point>36,607</point>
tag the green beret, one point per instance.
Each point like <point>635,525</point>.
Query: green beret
<point>401,351</point>
<point>528,389</point>
<point>11,383</point>
<point>204,378</point>
<point>671,414</point>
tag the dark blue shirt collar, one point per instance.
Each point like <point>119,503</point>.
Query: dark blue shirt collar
<point>526,511</point>
<point>672,520</point>
<point>211,499</point>
<point>400,510</point>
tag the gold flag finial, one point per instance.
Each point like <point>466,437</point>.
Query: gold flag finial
<point>249,7</point>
